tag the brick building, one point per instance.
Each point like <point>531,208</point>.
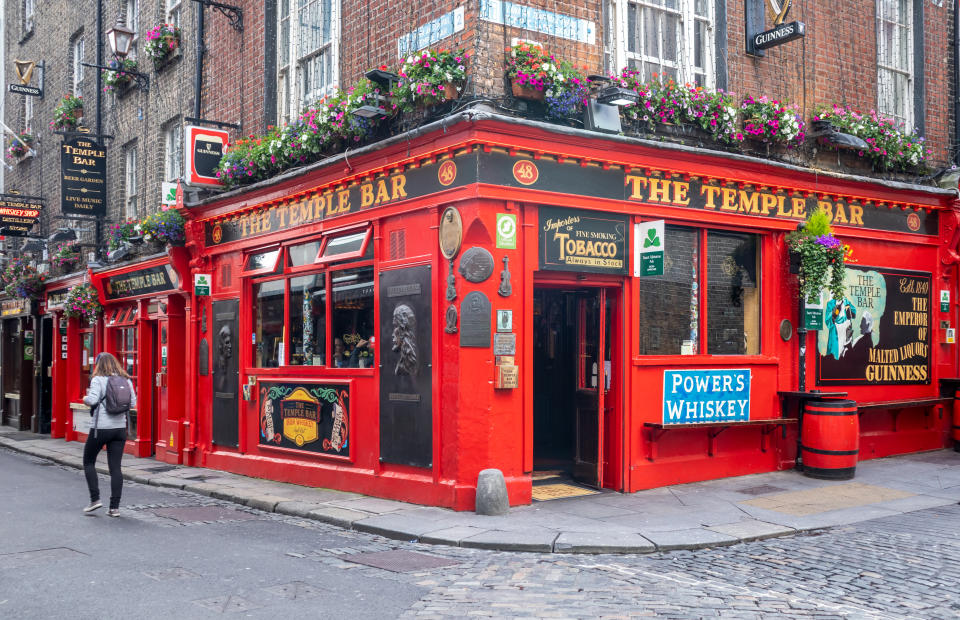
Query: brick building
<point>344,338</point>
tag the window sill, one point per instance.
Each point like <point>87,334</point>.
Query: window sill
<point>701,360</point>
<point>26,36</point>
<point>312,371</point>
<point>161,64</point>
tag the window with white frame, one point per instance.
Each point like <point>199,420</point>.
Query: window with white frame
<point>674,38</point>
<point>133,23</point>
<point>130,180</point>
<point>173,12</point>
<point>27,16</point>
<point>28,114</point>
<point>895,60</point>
<point>172,151</point>
<point>307,48</point>
<point>78,60</point>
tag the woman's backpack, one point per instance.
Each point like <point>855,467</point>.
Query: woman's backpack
<point>117,398</point>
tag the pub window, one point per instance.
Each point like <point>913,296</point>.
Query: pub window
<point>130,180</point>
<point>307,48</point>
<point>313,314</point>
<point>895,59</point>
<point>173,150</point>
<point>133,23</point>
<point>28,114</point>
<point>125,342</point>
<point>173,12</point>
<point>671,305</point>
<point>76,51</point>
<point>87,356</point>
<point>350,245</point>
<point>671,38</point>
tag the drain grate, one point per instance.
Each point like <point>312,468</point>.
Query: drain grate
<point>23,558</point>
<point>159,469</point>
<point>205,514</point>
<point>169,574</point>
<point>198,478</point>
<point>226,604</point>
<point>762,489</point>
<point>399,561</point>
<point>296,590</point>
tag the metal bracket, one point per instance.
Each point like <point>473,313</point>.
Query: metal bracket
<point>220,124</point>
<point>141,80</point>
<point>232,13</point>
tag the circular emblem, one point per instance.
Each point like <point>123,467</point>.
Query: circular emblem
<point>913,222</point>
<point>507,227</point>
<point>476,265</point>
<point>525,172</point>
<point>217,233</point>
<point>447,173</point>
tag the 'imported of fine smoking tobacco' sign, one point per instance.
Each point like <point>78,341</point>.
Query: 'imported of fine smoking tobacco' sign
<point>573,240</point>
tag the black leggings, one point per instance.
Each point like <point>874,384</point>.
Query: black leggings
<point>114,439</point>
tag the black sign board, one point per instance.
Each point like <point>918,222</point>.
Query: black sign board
<point>475,317</point>
<point>406,382</point>
<point>17,215</point>
<point>573,240</point>
<point>22,89</point>
<point>311,417</point>
<point>879,334</point>
<point>779,35</point>
<point>83,177</point>
<point>140,282</point>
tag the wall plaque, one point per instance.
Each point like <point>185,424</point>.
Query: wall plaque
<point>204,355</point>
<point>451,316</point>
<point>504,344</point>
<point>475,315</point>
<point>451,232</point>
<point>476,264</point>
<point>406,329</point>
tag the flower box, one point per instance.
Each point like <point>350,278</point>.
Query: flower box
<point>526,92</point>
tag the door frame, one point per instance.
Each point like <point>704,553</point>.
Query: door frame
<point>618,284</point>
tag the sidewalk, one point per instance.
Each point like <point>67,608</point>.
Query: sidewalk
<point>689,516</point>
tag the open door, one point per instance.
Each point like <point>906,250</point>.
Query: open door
<point>591,384</point>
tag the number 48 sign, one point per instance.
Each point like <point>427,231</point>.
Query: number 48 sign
<point>648,249</point>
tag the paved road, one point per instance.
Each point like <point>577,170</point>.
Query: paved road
<point>175,554</point>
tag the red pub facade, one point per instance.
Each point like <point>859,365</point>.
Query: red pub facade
<point>477,296</point>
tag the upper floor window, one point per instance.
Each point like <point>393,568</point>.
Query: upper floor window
<point>133,23</point>
<point>28,114</point>
<point>895,60</point>
<point>78,60</point>
<point>130,180</point>
<point>172,151</point>
<point>27,16</point>
<point>307,50</point>
<point>173,12</point>
<point>673,38</point>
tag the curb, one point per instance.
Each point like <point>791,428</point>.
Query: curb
<point>531,541</point>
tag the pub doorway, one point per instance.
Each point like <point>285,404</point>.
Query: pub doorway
<point>577,379</point>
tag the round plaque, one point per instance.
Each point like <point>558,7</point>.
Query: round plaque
<point>786,330</point>
<point>476,264</point>
<point>451,232</point>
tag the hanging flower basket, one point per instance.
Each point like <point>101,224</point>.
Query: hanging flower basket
<point>22,280</point>
<point>67,114</point>
<point>429,77</point>
<point>82,303</point>
<point>164,227</point>
<point>19,149</point>
<point>119,78</point>
<point>822,258</point>
<point>66,256</point>
<point>522,91</point>
<point>162,42</point>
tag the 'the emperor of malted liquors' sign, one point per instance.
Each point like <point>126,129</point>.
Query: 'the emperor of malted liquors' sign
<point>574,240</point>
<point>83,177</point>
<point>694,396</point>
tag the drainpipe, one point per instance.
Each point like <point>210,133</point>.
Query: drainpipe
<point>198,83</point>
<point>956,81</point>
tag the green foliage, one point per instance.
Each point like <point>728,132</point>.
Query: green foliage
<point>821,255</point>
<point>82,302</point>
<point>818,223</point>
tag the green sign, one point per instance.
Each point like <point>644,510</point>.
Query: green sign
<point>201,284</point>
<point>649,246</point>
<point>813,317</point>
<point>945,301</point>
<point>507,231</point>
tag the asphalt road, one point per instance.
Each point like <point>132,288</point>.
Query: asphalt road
<point>174,554</point>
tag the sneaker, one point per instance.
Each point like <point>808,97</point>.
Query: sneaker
<point>93,506</point>
<point>114,512</point>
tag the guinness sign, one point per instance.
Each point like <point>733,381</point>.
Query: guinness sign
<point>24,70</point>
<point>781,32</point>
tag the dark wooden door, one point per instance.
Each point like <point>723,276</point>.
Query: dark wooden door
<point>590,387</point>
<point>226,373</point>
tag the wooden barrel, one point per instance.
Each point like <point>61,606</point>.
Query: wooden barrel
<point>956,421</point>
<point>830,439</point>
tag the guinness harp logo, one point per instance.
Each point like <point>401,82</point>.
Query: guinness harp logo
<point>24,70</point>
<point>780,10</point>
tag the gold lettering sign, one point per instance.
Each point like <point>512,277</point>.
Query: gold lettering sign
<point>301,417</point>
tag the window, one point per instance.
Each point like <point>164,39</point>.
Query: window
<point>895,59</point>
<point>77,48</point>
<point>312,315</point>
<point>28,114</point>
<point>133,23</point>
<point>672,37</point>
<point>130,180</point>
<point>672,316</point>
<point>173,12</point>
<point>306,53</point>
<point>27,16</point>
<point>172,151</point>
<point>87,356</point>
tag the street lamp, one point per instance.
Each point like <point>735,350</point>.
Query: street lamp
<point>120,38</point>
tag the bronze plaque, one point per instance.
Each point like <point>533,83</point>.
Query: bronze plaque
<point>504,344</point>
<point>476,264</point>
<point>475,314</point>
<point>451,232</point>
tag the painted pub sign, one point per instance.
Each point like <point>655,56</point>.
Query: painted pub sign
<point>310,417</point>
<point>879,333</point>
<point>574,240</point>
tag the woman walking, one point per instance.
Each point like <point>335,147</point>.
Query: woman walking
<point>108,429</point>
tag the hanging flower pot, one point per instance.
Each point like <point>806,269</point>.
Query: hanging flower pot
<point>67,114</point>
<point>522,91</point>
<point>162,43</point>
